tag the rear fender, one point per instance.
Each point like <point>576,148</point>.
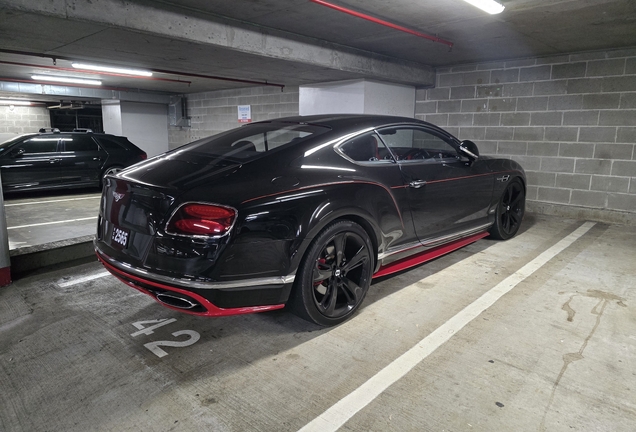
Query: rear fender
<point>298,217</point>
<point>368,204</point>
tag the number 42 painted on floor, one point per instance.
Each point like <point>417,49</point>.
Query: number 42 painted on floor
<point>154,346</point>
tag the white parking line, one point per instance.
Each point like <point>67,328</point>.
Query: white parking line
<point>83,279</point>
<point>336,416</point>
<point>52,223</point>
<point>51,201</point>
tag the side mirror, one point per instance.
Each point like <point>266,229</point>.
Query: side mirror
<point>469,149</point>
<point>17,152</point>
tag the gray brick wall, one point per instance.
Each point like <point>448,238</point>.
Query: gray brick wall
<point>569,120</point>
<point>23,119</point>
<point>217,111</point>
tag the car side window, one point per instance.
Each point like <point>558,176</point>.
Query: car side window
<point>409,143</point>
<point>39,145</point>
<point>79,143</point>
<point>268,140</point>
<point>367,147</point>
<point>110,144</point>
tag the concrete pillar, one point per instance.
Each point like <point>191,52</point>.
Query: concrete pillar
<point>5,259</point>
<point>357,97</point>
<point>144,124</point>
<point>111,116</point>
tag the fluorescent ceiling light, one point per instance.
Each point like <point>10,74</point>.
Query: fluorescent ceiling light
<point>67,80</point>
<point>490,6</point>
<point>118,70</point>
<point>14,102</point>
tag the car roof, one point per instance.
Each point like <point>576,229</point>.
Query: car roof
<point>72,133</point>
<point>345,121</point>
<point>346,118</point>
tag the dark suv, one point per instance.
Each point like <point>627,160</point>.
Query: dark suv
<point>49,160</point>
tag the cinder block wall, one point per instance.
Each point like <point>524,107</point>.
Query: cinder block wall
<point>569,120</point>
<point>217,111</point>
<point>23,119</point>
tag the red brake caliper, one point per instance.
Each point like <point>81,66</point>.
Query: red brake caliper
<point>320,261</point>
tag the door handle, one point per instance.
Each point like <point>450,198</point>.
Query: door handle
<point>417,183</point>
<point>55,160</point>
<point>97,159</point>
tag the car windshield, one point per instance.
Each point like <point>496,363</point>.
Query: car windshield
<point>252,141</point>
<point>8,143</point>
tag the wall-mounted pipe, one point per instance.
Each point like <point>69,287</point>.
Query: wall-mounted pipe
<point>164,71</point>
<point>383,22</point>
<point>58,68</point>
<point>193,75</point>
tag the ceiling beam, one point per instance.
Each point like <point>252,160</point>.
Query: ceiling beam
<point>192,26</point>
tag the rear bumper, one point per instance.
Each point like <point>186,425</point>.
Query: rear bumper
<point>204,298</point>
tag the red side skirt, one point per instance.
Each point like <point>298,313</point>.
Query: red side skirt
<point>427,255</point>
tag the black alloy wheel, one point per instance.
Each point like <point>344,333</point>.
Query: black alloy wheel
<point>510,211</point>
<point>335,274</point>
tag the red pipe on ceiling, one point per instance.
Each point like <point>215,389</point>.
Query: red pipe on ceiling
<point>383,22</point>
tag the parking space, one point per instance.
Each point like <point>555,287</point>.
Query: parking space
<point>39,218</point>
<point>536,333</point>
<point>248,146</point>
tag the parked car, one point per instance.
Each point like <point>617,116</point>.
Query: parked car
<point>300,211</point>
<point>54,159</point>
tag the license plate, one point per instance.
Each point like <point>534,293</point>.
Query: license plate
<point>120,237</point>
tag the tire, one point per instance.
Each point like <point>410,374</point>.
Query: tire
<point>510,211</point>
<point>335,274</point>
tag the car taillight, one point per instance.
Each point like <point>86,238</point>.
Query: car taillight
<point>202,219</point>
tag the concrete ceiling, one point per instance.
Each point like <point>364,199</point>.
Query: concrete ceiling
<point>290,42</point>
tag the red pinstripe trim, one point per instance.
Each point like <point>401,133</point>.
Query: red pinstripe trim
<point>211,309</point>
<point>333,184</point>
<point>465,177</point>
<point>456,178</point>
<point>297,189</point>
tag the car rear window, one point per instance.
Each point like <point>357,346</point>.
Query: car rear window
<point>252,141</point>
<point>110,143</point>
<point>79,143</point>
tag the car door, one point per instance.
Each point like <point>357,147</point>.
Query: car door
<point>34,162</point>
<point>377,166</point>
<point>447,194</point>
<point>81,159</point>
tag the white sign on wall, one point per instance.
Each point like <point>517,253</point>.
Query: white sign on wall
<point>244,113</point>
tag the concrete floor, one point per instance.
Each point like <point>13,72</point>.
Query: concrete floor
<point>556,353</point>
<point>37,218</point>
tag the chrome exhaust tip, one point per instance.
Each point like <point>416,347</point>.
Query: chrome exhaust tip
<point>177,301</point>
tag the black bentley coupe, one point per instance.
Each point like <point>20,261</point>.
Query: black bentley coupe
<point>300,211</point>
